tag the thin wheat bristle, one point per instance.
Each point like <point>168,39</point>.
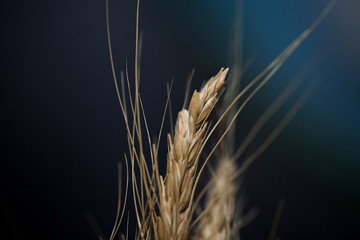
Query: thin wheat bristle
<point>175,206</point>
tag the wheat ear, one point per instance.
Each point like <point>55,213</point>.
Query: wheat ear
<point>175,206</point>
<point>216,219</point>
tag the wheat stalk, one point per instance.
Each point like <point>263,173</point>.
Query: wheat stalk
<point>175,206</point>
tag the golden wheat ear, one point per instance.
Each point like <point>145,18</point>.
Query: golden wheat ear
<point>175,206</point>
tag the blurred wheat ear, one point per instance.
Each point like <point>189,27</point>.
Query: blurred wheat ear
<point>165,206</point>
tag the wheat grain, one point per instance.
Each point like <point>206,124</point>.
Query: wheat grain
<point>175,206</point>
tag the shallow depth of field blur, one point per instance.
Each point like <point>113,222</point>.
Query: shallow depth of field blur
<point>63,131</point>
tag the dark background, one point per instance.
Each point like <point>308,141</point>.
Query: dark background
<point>63,133</point>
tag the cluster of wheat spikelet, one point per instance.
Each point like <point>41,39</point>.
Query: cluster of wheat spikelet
<point>166,207</point>
<point>175,194</point>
